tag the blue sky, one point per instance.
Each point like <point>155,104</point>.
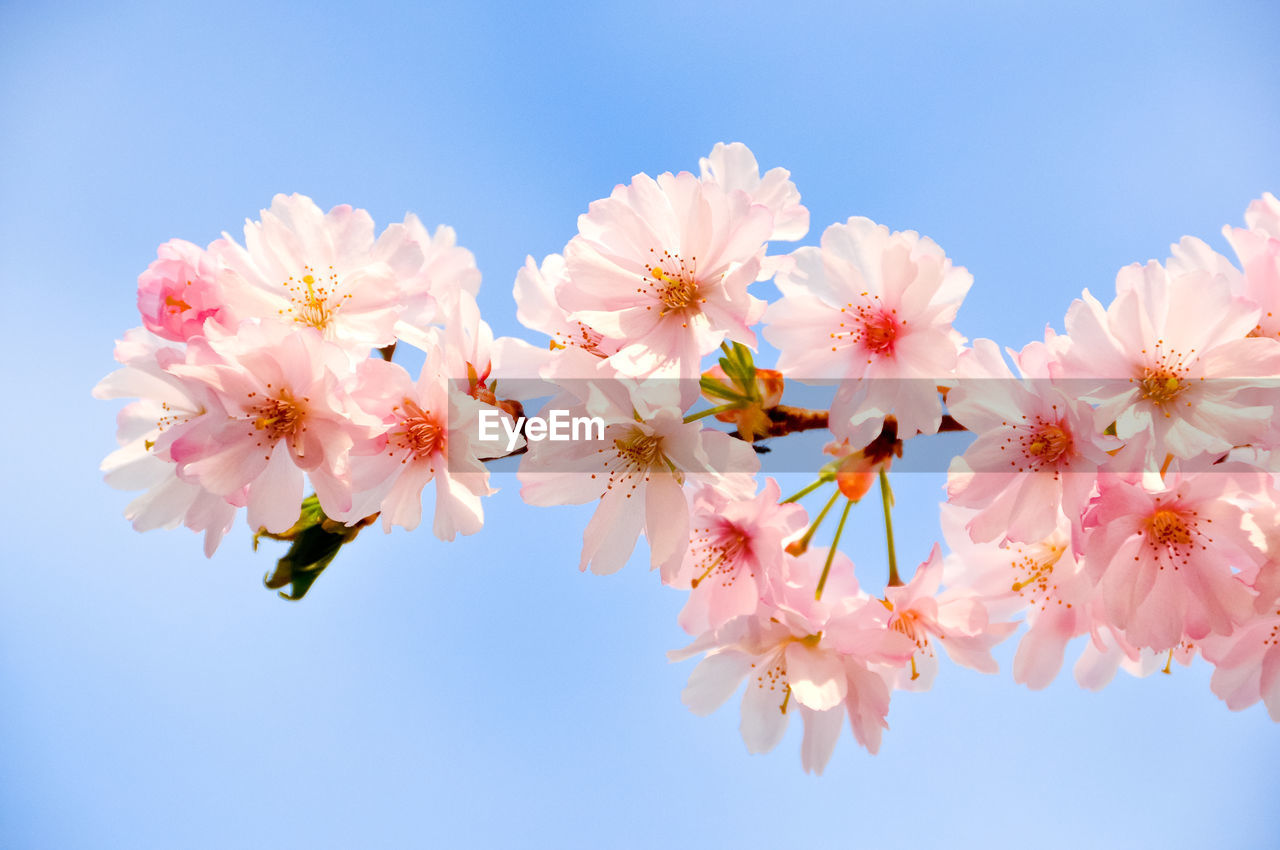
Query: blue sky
<point>484,692</point>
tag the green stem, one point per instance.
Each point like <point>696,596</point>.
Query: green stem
<point>831,553</point>
<point>795,497</point>
<point>711,411</point>
<point>886,496</point>
<point>808,535</point>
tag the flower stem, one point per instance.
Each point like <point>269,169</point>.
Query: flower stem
<point>831,553</point>
<point>711,411</point>
<point>886,496</point>
<point>799,546</point>
<point>795,497</point>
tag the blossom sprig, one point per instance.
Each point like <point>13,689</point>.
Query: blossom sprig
<point>1121,485</point>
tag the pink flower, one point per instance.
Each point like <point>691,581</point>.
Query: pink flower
<point>285,410</point>
<point>429,432</point>
<point>142,462</point>
<point>881,304</point>
<point>959,623</point>
<point>1107,651</point>
<point>660,268</point>
<point>636,472</point>
<point>474,359</point>
<point>1248,663</point>
<point>734,546</point>
<point>575,350</point>
<point>179,292</point>
<point>1164,561</point>
<point>814,656</point>
<point>321,270</point>
<point>734,167</point>
<point>1036,455</point>
<point>1258,248</point>
<point>1167,360</point>
<point>433,271</point>
<point>1042,578</point>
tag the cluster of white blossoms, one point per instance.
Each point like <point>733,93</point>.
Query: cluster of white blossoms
<point>1120,484</point>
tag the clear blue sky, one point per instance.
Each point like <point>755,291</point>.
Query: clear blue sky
<point>485,693</point>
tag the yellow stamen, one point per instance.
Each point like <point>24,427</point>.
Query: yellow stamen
<point>1161,386</point>
<point>1167,528</point>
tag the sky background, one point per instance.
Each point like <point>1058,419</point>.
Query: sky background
<point>485,693</point>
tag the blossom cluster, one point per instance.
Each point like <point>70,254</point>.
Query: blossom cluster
<point>253,373</point>
<point>1120,485</point>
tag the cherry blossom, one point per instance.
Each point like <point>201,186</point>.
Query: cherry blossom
<point>882,304</point>
<point>646,455</point>
<point>810,655</point>
<point>734,546</point>
<point>1168,359</point>
<point>1122,487</point>
<point>661,268</point>
<point>1036,455</point>
<point>321,270</point>
<point>1107,652</point>
<point>1247,663</point>
<point>474,358</point>
<point>429,433</point>
<point>734,167</point>
<point>574,349</point>
<point>286,410</point>
<point>142,462</point>
<point>1164,560</point>
<point>1044,579</point>
<point>433,271</point>
<point>1258,248</point>
<point>954,620</point>
<point>179,292</point>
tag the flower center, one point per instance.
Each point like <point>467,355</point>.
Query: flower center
<point>1035,565</point>
<point>672,281</point>
<point>1167,528</point>
<point>640,451</point>
<point>1050,444</point>
<point>720,551</point>
<point>419,432</point>
<point>279,417</point>
<point>879,333</point>
<point>1161,386</point>
<point>774,678</point>
<point>585,338</point>
<point>908,623</point>
<point>175,306</point>
<point>314,301</point>
<point>632,460</point>
<point>1165,376</point>
<point>870,326</point>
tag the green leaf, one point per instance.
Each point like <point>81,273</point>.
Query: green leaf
<point>712,387</point>
<point>314,541</point>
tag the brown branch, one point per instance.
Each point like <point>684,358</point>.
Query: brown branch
<point>785,419</point>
